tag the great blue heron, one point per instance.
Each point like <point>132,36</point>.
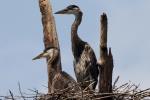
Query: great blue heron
<point>61,79</point>
<point>85,62</point>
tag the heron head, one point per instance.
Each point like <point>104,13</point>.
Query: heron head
<point>48,52</point>
<point>72,9</point>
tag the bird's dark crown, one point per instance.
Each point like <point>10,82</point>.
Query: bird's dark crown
<point>72,7</point>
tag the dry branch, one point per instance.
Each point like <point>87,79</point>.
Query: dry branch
<point>106,60</point>
<point>50,37</point>
<point>20,91</point>
<point>11,94</point>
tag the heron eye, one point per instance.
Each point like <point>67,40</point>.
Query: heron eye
<point>75,8</point>
<point>65,10</point>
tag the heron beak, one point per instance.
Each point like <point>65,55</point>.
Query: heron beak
<point>39,56</point>
<point>64,11</point>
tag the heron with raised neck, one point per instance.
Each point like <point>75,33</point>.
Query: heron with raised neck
<point>85,62</point>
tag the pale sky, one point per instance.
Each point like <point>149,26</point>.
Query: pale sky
<point>22,39</point>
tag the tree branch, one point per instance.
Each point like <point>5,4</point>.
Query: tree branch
<point>50,37</point>
<point>106,60</point>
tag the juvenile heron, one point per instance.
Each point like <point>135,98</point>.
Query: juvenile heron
<point>85,62</point>
<point>61,79</point>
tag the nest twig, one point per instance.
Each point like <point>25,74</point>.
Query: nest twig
<point>126,91</point>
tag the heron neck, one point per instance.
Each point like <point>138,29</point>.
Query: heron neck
<point>75,25</point>
<point>75,39</point>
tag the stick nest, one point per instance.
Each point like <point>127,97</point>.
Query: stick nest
<point>127,91</point>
